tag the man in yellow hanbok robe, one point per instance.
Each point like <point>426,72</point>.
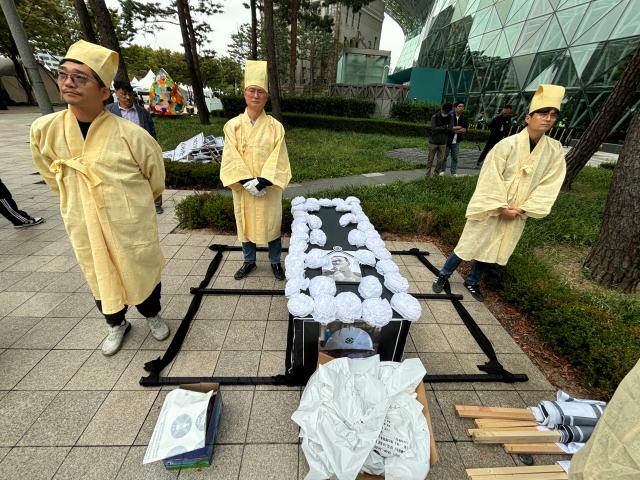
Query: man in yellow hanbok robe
<point>255,166</point>
<point>107,171</point>
<point>521,178</point>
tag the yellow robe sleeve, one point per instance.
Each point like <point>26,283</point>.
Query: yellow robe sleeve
<point>277,168</point>
<point>232,168</point>
<point>540,201</point>
<point>146,152</point>
<point>41,163</point>
<point>490,194</point>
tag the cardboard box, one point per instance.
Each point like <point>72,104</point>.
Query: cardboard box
<point>422,398</point>
<point>201,457</point>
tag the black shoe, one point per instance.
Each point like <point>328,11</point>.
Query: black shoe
<point>244,270</point>
<point>30,223</point>
<point>159,210</point>
<point>475,292</point>
<point>278,272</point>
<point>438,285</point>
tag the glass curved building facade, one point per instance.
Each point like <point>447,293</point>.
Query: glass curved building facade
<point>499,51</point>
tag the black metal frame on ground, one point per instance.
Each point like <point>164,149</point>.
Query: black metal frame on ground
<point>494,371</point>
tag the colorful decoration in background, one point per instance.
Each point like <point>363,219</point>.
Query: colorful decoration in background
<point>164,96</point>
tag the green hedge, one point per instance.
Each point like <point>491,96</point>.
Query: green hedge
<point>337,106</point>
<point>600,334</point>
<point>192,175</point>
<point>414,111</point>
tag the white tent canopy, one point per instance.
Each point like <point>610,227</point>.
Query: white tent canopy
<point>144,84</point>
<point>9,82</point>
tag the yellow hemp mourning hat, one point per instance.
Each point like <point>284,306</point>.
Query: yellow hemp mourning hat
<point>98,58</point>
<point>255,73</point>
<point>547,96</point>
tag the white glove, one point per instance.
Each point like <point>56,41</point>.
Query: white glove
<point>250,187</point>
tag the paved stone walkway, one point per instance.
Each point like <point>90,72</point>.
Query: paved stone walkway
<point>68,412</point>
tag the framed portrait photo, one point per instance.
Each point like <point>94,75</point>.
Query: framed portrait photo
<point>342,267</point>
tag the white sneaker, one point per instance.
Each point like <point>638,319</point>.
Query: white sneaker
<point>114,339</point>
<point>159,328</point>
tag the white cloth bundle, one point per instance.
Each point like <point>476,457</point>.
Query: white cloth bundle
<point>325,202</point>
<point>370,287</point>
<point>300,305</point>
<point>294,261</point>
<point>294,270</point>
<point>348,307</point>
<point>365,257</point>
<point>407,306</point>
<point>346,219</point>
<point>382,253</point>
<point>316,258</point>
<point>322,286</point>
<point>365,225</point>
<point>299,228</point>
<point>312,205</point>
<point>295,285</point>
<point>376,311</point>
<point>302,207</point>
<point>372,234</point>
<point>373,243</point>
<point>297,236</point>
<point>361,217</point>
<point>343,206</point>
<point>324,309</point>
<point>297,246</point>
<point>352,200</point>
<point>395,282</point>
<point>314,221</point>
<point>357,238</point>
<point>384,267</point>
<point>297,201</point>
<point>317,237</point>
<point>299,213</point>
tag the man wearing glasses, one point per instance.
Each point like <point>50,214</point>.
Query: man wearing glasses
<point>107,172</point>
<point>521,178</point>
<point>255,166</point>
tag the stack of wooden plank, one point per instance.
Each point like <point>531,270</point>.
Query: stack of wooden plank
<point>538,472</point>
<point>515,428</point>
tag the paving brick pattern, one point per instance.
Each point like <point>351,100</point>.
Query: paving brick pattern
<point>66,411</point>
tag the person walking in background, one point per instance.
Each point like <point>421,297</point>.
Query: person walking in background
<point>460,126</point>
<point>127,107</point>
<point>441,126</point>
<point>498,129</point>
<point>107,172</point>
<point>11,212</point>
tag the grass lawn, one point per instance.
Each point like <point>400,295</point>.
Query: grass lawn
<point>313,153</point>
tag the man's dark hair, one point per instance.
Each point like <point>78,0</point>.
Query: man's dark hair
<point>545,110</point>
<point>446,107</point>
<point>457,103</point>
<point>95,75</point>
<point>506,105</point>
<point>126,86</point>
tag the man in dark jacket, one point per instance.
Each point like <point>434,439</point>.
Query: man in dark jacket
<point>460,125</point>
<point>441,126</point>
<point>498,129</point>
<point>126,107</point>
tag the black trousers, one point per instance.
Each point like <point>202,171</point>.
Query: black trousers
<point>491,142</point>
<point>149,308</point>
<point>9,209</point>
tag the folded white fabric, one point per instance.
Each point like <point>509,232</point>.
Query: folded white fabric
<point>297,201</point>
<point>395,282</point>
<point>297,246</point>
<point>316,258</point>
<point>360,217</point>
<point>299,235</point>
<point>365,225</point>
<point>370,287</point>
<point>567,410</point>
<point>346,219</point>
<point>376,311</point>
<point>295,285</point>
<point>299,228</point>
<point>317,237</point>
<point>372,234</point>
<point>325,202</point>
<point>322,286</point>
<point>324,309</point>
<point>352,200</point>
<point>312,205</point>
<point>348,307</point>
<point>383,267</point>
<point>300,213</point>
<point>407,306</point>
<point>343,206</point>
<point>356,238</point>
<point>294,260</point>
<point>295,270</point>
<point>314,221</point>
<point>300,305</point>
<point>365,257</point>
<point>301,207</point>
<point>382,253</point>
<point>373,243</point>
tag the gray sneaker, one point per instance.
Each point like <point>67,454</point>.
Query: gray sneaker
<point>114,339</point>
<point>159,328</point>
<point>438,285</point>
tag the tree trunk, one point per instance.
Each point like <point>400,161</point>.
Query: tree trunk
<point>254,31</point>
<point>293,56</point>
<point>608,114</point>
<point>274,84</point>
<point>108,36</point>
<point>85,21</point>
<point>614,260</point>
<point>190,55</point>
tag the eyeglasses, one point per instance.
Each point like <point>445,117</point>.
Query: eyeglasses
<point>256,91</point>
<point>552,115</point>
<point>79,79</point>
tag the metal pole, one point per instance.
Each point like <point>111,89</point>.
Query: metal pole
<point>26,55</point>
